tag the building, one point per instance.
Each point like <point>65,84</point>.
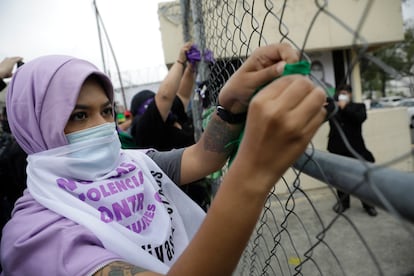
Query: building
<point>340,31</point>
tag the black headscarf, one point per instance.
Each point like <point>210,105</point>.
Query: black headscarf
<point>138,101</point>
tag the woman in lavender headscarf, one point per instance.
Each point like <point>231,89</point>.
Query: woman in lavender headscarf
<point>92,208</point>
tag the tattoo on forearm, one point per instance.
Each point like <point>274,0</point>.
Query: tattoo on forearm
<point>220,137</point>
<point>119,269</point>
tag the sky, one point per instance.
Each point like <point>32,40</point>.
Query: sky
<point>408,11</point>
<point>31,28</point>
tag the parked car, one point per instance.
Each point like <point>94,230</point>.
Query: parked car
<point>391,101</point>
<point>375,104</point>
<point>409,103</point>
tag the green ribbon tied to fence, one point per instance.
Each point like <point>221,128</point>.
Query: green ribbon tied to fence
<point>302,67</point>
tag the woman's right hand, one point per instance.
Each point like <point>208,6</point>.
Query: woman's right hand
<point>282,119</point>
<point>184,49</point>
<point>265,64</point>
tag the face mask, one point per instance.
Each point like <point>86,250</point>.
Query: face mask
<point>344,98</point>
<point>103,130</point>
<point>95,151</point>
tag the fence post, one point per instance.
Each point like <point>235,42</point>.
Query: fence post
<point>185,19</point>
<point>203,69</point>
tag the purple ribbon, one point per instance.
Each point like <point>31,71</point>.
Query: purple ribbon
<point>208,56</point>
<point>144,106</point>
<point>194,55</point>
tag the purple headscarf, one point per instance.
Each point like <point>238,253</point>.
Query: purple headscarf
<point>41,96</point>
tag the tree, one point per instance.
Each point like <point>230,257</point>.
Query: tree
<point>389,62</point>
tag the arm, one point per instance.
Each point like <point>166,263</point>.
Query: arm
<point>210,152</point>
<point>169,86</point>
<point>6,69</point>
<point>290,110</point>
<point>186,85</point>
<point>6,66</point>
<point>125,125</point>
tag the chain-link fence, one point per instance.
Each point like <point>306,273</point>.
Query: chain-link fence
<point>298,232</point>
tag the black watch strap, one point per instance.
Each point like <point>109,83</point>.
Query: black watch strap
<point>229,117</point>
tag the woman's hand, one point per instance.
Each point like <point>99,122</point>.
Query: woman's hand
<point>6,66</point>
<point>265,64</point>
<point>182,58</point>
<point>282,119</point>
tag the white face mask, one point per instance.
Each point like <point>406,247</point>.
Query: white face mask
<point>343,97</point>
<point>94,152</point>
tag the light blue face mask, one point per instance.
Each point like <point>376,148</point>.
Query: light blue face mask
<point>106,129</point>
<point>96,152</point>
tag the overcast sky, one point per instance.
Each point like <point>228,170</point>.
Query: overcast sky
<point>32,28</point>
<point>408,10</point>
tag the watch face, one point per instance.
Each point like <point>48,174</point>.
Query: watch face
<point>230,117</point>
<point>223,114</point>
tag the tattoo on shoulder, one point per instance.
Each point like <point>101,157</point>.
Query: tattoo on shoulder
<point>119,268</point>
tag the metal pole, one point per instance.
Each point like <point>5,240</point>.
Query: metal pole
<point>383,187</point>
<point>185,15</point>
<point>100,37</point>
<point>100,21</point>
<point>203,74</point>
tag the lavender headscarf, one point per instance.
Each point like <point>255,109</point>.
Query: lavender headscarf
<point>41,96</point>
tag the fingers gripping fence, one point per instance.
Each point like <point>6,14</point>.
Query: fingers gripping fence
<point>298,233</point>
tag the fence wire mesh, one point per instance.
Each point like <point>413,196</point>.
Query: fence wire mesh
<point>298,233</point>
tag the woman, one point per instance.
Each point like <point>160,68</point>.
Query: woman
<point>92,208</point>
<point>160,119</point>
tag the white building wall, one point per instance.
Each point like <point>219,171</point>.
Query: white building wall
<point>383,23</point>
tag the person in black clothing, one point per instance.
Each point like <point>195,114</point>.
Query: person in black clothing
<point>12,172</point>
<point>12,157</point>
<point>9,192</point>
<point>350,117</point>
<point>150,130</point>
<point>161,121</point>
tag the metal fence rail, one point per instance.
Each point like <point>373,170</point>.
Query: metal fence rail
<point>387,188</point>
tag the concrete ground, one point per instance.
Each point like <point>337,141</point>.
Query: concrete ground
<point>305,237</point>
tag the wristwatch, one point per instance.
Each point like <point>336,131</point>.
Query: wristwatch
<point>229,117</point>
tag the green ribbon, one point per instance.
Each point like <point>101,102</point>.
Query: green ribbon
<point>302,67</point>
